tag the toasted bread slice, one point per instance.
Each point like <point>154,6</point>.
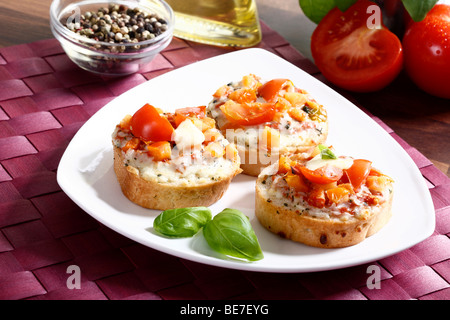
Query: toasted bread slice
<point>194,168</point>
<point>293,211</point>
<point>152,194</point>
<point>268,119</point>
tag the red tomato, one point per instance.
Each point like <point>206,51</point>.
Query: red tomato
<point>149,125</point>
<point>248,114</point>
<point>183,113</point>
<point>358,172</point>
<point>323,175</point>
<point>353,56</point>
<point>316,198</point>
<point>270,89</point>
<point>427,52</point>
<point>199,112</point>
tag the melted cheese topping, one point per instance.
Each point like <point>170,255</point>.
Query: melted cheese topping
<point>317,162</point>
<point>293,133</point>
<point>188,165</point>
<point>276,190</point>
<point>187,135</point>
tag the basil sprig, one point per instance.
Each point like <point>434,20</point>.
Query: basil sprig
<point>182,222</point>
<point>315,10</point>
<point>229,232</point>
<point>326,153</point>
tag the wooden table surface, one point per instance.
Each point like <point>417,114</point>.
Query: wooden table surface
<point>421,120</point>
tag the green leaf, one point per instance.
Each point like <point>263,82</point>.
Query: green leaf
<point>343,5</point>
<point>230,233</point>
<point>315,10</point>
<point>182,222</point>
<point>326,153</point>
<point>418,9</point>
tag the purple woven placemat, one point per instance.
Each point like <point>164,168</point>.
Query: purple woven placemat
<point>45,99</point>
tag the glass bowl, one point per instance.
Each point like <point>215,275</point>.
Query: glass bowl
<point>102,57</point>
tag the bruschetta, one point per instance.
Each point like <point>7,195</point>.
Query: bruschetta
<point>168,160</point>
<point>325,201</point>
<point>266,119</point>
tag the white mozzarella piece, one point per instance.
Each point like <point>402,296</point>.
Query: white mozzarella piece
<point>187,135</point>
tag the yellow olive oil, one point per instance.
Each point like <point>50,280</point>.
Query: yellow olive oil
<point>217,22</point>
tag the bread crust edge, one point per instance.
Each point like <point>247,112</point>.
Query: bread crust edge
<point>316,232</point>
<point>158,196</point>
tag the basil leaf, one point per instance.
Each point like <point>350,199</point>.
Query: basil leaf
<point>182,222</point>
<point>326,153</point>
<point>315,10</point>
<point>231,233</point>
<point>343,5</point>
<point>418,9</point>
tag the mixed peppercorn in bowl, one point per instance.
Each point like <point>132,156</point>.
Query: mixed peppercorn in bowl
<point>112,38</point>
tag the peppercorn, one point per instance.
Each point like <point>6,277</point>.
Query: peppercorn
<point>118,37</point>
<point>119,24</point>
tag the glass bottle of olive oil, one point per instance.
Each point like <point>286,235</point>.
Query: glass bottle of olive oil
<point>217,22</point>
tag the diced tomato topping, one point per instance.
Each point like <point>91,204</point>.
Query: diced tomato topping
<point>133,143</point>
<point>248,114</point>
<point>160,150</point>
<point>297,182</point>
<point>284,165</point>
<point>358,172</point>
<point>296,99</point>
<point>323,175</point>
<point>337,195</point>
<point>125,123</point>
<point>222,91</point>
<point>271,89</point>
<point>199,112</point>
<point>298,114</point>
<point>182,114</point>
<point>316,198</point>
<point>375,172</point>
<point>149,125</point>
<point>243,95</point>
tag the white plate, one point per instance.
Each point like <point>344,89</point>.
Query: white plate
<point>86,174</point>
